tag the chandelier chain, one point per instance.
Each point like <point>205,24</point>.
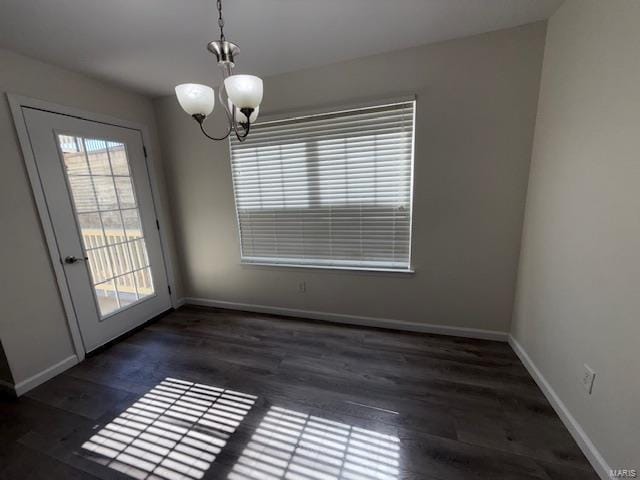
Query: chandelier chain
<point>205,96</point>
<point>220,21</point>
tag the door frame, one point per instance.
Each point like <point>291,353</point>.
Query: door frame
<point>16,104</point>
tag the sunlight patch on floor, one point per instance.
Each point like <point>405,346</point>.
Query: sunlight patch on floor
<point>174,432</point>
<point>296,446</point>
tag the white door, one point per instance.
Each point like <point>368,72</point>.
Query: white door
<point>96,184</point>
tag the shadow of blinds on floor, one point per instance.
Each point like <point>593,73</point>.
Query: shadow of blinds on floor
<point>173,432</point>
<point>296,446</point>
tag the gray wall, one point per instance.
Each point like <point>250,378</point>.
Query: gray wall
<point>578,299</point>
<point>33,325</point>
<point>476,108</point>
<point>5,371</point>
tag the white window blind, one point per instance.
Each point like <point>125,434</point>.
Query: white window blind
<point>328,190</point>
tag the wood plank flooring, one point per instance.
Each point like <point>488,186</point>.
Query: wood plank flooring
<point>206,393</point>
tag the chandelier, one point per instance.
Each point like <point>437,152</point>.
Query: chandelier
<point>244,92</point>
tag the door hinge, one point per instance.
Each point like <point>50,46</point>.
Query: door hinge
<point>157,224</point>
<point>144,150</point>
<point>169,288</point>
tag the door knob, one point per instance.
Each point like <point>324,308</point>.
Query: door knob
<point>71,259</point>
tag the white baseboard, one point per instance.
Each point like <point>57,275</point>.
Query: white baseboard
<point>580,436</point>
<point>354,319</point>
<point>179,302</point>
<point>32,382</point>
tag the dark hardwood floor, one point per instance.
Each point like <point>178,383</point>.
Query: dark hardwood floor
<point>206,393</point>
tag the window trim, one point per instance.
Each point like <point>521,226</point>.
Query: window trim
<point>294,114</point>
<point>288,115</point>
<point>402,271</point>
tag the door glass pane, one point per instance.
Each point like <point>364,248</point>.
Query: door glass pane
<point>125,192</point>
<point>144,281</point>
<point>118,157</point>
<point>92,233</point>
<point>132,225</point>
<point>127,292</point>
<point>109,219</point>
<point>97,156</point>
<point>75,160</point>
<point>84,195</point>
<point>106,295</point>
<point>113,228</point>
<point>105,191</point>
<point>99,264</point>
<point>139,254</point>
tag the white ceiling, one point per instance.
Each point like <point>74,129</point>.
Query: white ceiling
<point>152,45</point>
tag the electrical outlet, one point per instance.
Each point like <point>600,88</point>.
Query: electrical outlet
<point>302,287</point>
<point>587,378</point>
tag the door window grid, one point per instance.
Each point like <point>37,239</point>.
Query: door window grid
<point>118,259</point>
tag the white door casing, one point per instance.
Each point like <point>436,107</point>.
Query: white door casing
<point>137,292</point>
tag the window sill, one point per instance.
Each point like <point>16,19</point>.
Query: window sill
<point>409,271</point>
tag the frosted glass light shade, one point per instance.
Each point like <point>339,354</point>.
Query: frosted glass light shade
<point>245,91</point>
<point>196,99</point>
<point>241,117</point>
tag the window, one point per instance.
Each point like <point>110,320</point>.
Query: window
<point>109,219</point>
<point>328,190</point>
